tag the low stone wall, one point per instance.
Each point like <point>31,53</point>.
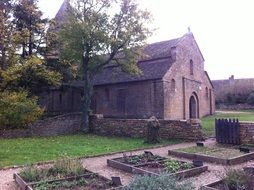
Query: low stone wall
<point>169,129</point>
<point>247,132</point>
<point>59,125</point>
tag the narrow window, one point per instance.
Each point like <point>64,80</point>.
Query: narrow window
<point>60,98</point>
<point>107,95</point>
<point>191,67</point>
<point>206,93</point>
<point>121,100</point>
<point>173,85</point>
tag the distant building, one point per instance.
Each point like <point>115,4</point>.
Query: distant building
<point>228,89</point>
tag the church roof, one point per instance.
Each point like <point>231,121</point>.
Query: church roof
<point>156,63</point>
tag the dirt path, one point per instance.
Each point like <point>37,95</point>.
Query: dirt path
<point>99,165</point>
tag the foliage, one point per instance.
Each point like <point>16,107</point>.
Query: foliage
<point>250,99</point>
<point>30,28</point>
<point>31,173</point>
<point>236,98</point>
<point>163,181</point>
<point>237,179</point>
<point>18,151</point>
<point>140,159</point>
<point>67,166</point>
<point>102,32</point>
<point>7,34</point>
<point>17,110</point>
<point>31,74</point>
<point>173,166</point>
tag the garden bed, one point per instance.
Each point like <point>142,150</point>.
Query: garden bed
<point>126,163</point>
<point>63,176</point>
<point>156,165</point>
<point>219,155</point>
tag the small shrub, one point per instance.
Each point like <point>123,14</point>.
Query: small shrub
<point>237,179</point>
<point>250,99</point>
<point>164,181</point>
<point>17,110</point>
<point>174,166</point>
<point>67,166</point>
<point>31,174</point>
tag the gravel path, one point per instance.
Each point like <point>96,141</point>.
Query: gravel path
<point>99,165</point>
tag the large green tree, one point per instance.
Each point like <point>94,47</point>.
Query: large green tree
<point>101,32</point>
<point>31,28</point>
<point>7,34</point>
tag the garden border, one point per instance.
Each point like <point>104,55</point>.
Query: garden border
<point>206,158</point>
<point>28,186</point>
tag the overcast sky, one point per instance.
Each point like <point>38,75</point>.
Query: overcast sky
<point>223,29</point>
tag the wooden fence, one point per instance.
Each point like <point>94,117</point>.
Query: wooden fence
<point>227,131</point>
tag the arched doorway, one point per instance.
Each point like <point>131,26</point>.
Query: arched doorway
<point>193,106</point>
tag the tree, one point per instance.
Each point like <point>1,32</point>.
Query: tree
<point>30,27</point>
<point>102,32</point>
<point>31,74</point>
<point>7,34</point>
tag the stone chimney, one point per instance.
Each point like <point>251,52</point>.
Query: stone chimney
<point>231,79</point>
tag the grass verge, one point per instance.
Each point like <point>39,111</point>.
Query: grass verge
<point>30,150</point>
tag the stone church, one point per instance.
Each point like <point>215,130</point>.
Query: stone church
<point>173,85</point>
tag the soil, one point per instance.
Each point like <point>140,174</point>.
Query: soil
<point>159,167</point>
<point>139,159</point>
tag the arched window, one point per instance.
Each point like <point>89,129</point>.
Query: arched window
<point>191,67</point>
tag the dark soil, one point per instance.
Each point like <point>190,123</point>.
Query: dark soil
<point>160,167</point>
<point>140,159</point>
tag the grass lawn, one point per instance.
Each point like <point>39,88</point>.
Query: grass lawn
<point>30,150</point>
<point>208,123</point>
<point>213,151</point>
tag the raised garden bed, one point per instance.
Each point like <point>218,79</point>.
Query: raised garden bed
<point>126,163</point>
<point>155,166</point>
<point>219,155</point>
<point>69,176</point>
<point>234,179</point>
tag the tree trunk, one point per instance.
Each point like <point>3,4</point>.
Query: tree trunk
<point>87,94</point>
<point>3,60</point>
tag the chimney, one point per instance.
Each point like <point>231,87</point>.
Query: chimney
<point>232,77</point>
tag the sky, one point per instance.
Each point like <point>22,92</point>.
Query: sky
<point>223,29</point>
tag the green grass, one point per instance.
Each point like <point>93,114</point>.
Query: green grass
<point>208,123</point>
<point>30,150</point>
<point>213,151</point>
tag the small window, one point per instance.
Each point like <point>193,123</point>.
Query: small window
<point>107,95</point>
<point>191,67</point>
<point>60,98</point>
<point>173,85</point>
<point>206,93</point>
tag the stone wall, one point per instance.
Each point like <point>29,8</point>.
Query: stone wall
<point>247,132</point>
<point>169,129</point>
<point>60,125</point>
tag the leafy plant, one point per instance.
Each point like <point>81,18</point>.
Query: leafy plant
<point>17,110</point>
<point>164,181</point>
<point>140,159</point>
<point>174,165</point>
<point>30,174</point>
<point>67,166</point>
<point>237,179</point>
